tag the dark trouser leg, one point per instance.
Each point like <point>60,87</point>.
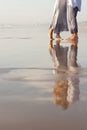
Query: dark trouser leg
<point>72,17</point>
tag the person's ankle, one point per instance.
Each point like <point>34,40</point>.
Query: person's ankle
<point>73,36</point>
<point>58,36</point>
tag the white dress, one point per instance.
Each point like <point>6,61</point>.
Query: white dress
<point>59,21</point>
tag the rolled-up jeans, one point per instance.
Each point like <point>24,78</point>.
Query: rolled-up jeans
<point>72,19</point>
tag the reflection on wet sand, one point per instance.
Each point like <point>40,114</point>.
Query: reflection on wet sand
<point>66,89</point>
<point>59,55</point>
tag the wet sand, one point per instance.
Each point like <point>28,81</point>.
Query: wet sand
<point>31,92</point>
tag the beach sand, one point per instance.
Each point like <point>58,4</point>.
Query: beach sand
<point>28,78</point>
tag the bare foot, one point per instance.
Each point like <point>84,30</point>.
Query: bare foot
<point>59,37</point>
<point>73,36</point>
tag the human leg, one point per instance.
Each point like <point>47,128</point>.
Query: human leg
<point>72,17</point>
<point>59,36</point>
<point>50,33</point>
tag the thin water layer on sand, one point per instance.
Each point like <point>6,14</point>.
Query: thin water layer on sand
<point>31,99</point>
<point>42,82</point>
